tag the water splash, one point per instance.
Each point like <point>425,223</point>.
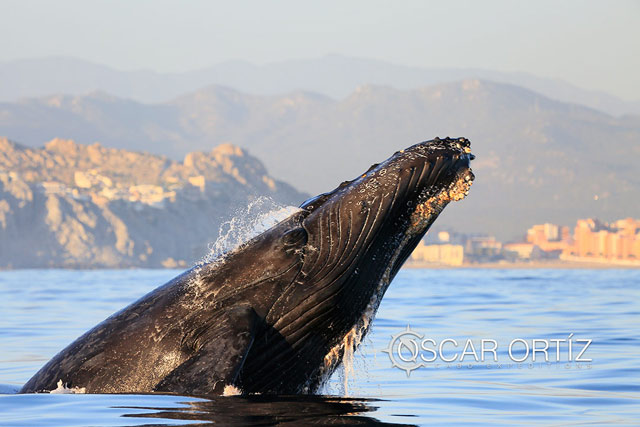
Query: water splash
<point>231,390</point>
<point>260,215</point>
<point>63,389</point>
<point>345,350</point>
<point>257,217</point>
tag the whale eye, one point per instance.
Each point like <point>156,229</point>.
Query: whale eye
<point>296,237</point>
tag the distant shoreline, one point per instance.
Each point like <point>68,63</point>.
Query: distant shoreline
<point>535,265</point>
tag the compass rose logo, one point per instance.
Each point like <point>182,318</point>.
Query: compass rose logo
<point>403,350</point>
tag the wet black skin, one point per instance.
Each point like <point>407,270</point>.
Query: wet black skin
<point>264,317</point>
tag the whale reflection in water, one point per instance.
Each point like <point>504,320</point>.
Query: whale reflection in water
<point>257,410</point>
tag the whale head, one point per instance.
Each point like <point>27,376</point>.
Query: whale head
<point>352,241</point>
<point>369,226</point>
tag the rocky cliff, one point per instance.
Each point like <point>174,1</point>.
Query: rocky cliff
<point>73,205</point>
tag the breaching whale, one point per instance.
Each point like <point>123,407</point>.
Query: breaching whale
<point>275,315</point>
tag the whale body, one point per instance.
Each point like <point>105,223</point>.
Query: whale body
<point>277,314</point>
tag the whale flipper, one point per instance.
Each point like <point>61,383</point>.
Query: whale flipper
<point>220,355</point>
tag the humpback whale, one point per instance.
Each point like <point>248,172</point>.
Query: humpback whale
<point>277,314</point>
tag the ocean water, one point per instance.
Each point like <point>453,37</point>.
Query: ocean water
<point>44,310</point>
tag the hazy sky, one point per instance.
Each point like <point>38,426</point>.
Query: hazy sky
<point>592,44</point>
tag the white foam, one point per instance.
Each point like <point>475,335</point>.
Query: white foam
<point>63,389</point>
<point>260,215</point>
<point>230,390</point>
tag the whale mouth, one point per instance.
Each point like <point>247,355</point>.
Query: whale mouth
<point>436,195</point>
<point>435,199</point>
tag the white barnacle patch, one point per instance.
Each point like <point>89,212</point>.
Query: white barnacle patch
<point>457,190</point>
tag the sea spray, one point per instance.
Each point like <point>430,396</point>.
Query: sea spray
<point>257,217</point>
<point>346,349</point>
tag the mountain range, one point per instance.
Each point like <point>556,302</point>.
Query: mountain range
<point>538,159</point>
<point>335,76</point>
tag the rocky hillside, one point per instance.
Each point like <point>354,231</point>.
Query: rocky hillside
<point>73,205</point>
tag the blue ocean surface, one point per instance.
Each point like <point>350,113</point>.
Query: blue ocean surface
<point>392,382</point>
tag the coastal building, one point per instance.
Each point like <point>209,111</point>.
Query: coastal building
<point>592,241</point>
<point>547,232</point>
<point>483,249</point>
<point>596,240</point>
<point>550,239</point>
<point>521,250</point>
<point>439,254</point>
<point>444,236</point>
<point>53,187</point>
<point>91,178</point>
<point>153,195</point>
